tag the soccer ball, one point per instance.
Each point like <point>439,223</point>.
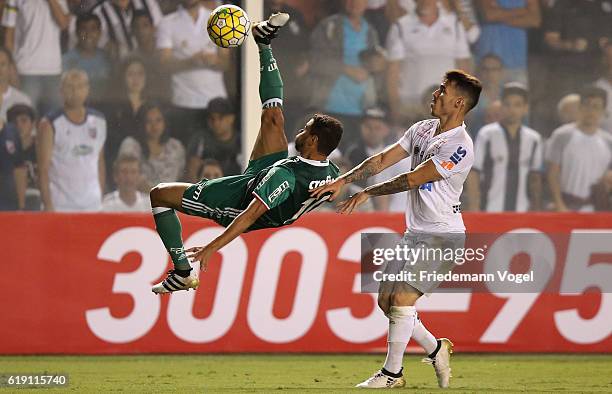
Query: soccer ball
<point>228,26</point>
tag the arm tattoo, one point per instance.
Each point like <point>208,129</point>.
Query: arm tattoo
<point>363,171</point>
<point>394,185</point>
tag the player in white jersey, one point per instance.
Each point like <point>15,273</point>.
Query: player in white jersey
<point>442,154</point>
<point>71,157</point>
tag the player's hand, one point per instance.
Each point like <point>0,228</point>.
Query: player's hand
<point>200,254</point>
<point>347,206</point>
<point>334,188</point>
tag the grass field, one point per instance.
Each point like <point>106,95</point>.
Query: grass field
<point>315,373</point>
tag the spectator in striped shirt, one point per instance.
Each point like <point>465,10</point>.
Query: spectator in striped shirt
<point>508,159</point>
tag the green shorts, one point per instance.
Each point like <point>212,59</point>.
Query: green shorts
<point>225,198</point>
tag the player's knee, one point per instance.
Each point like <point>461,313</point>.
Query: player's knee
<point>404,298</point>
<point>383,303</point>
<point>157,195</point>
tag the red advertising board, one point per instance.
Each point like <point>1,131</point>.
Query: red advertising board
<point>81,284</point>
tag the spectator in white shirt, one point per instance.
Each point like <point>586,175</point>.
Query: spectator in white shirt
<point>32,34</point>
<point>195,62</point>
<point>605,82</point>
<point>9,95</point>
<point>127,198</point>
<point>580,156</point>
<point>420,47</point>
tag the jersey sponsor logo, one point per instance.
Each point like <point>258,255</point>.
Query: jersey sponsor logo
<point>426,186</point>
<point>278,191</point>
<point>317,183</point>
<point>455,158</point>
<point>82,150</point>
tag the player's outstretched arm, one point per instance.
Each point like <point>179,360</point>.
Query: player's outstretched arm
<point>424,173</point>
<point>369,167</point>
<point>240,224</point>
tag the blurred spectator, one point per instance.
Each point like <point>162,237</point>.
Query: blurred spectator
<point>126,113</point>
<point>504,33</point>
<point>466,12</point>
<point>374,60</point>
<point>508,160</point>
<point>220,141</point>
<point>291,53</point>
<point>491,73</point>
<point>373,139</point>
<point>24,119</point>
<point>32,34</point>
<point>10,95</point>
<point>70,150</point>
<point>575,33</point>
<point>340,80</point>
<point>13,175</point>
<point>580,154</point>
<point>211,169</point>
<point>195,62</point>
<point>421,47</point>
<point>568,108</point>
<point>605,82</point>
<point>87,57</point>
<point>127,198</point>
<point>116,17</point>
<point>163,157</point>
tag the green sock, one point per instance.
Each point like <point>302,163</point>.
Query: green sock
<point>270,81</point>
<point>169,229</point>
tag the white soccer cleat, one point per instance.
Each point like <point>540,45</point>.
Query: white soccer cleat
<point>175,282</point>
<point>265,31</point>
<point>381,381</point>
<point>441,362</point>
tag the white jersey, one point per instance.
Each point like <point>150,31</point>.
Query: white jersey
<point>113,203</point>
<point>73,176</point>
<point>435,207</point>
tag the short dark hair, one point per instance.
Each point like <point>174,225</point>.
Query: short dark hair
<point>88,17</point>
<point>328,131</point>
<point>517,89</point>
<point>18,110</point>
<point>141,14</point>
<point>592,91</point>
<point>466,84</point>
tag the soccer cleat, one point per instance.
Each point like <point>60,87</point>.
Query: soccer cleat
<point>175,282</point>
<point>441,362</point>
<point>265,31</point>
<point>380,380</point>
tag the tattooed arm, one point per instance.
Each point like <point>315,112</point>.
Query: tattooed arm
<point>370,166</point>
<point>424,173</point>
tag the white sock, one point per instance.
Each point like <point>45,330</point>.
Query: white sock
<point>426,339</point>
<point>401,323</point>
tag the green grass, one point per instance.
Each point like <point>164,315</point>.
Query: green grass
<point>315,373</point>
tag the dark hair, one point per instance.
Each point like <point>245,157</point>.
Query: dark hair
<point>84,18</point>
<point>328,131</point>
<point>18,110</point>
<point>140,14</point>
<point>466,84</point>
<point>515,88</point>
<point>142,135</point>
<point>593,92</point>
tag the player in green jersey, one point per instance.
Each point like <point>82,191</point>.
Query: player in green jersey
<point>273,191</point>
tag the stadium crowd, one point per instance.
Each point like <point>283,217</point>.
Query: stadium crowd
<point>101,100</point>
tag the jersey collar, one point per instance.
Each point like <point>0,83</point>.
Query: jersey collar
<point>314,162</point>
<point>450,132</point>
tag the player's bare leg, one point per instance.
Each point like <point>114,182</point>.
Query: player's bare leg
<point>271,137</point>
<point>165,201</point>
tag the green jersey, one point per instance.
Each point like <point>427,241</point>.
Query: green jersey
<point>282,184</point>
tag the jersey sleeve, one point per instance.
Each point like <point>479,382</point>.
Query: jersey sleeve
<point>395,46</point>
<point>453,158</point>
<point>406,140</point>
<point>275,187</point>
<point>538,161</point>
<point>164,34</point>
